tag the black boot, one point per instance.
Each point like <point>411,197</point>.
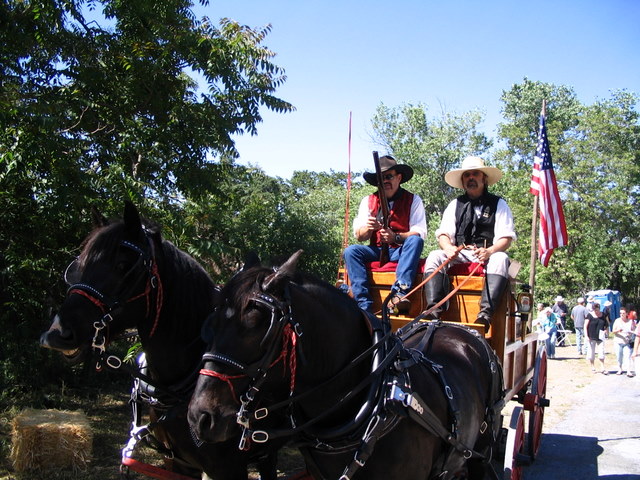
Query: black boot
<point>492,292</point>
<point>434,291</point>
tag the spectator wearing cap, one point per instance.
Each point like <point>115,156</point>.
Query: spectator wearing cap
<point>561,310</point>
<point>404,235</point>
<point>578,315</point>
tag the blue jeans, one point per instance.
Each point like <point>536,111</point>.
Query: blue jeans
<point>551,343</point>
<point>357,256</point>
<point>580,339</point>
<point>623,352</point>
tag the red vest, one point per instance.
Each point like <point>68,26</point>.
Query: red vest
<point>398,215</point>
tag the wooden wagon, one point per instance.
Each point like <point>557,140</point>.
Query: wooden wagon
<point>510,335</point>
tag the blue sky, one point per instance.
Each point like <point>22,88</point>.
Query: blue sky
<point>349,56</point>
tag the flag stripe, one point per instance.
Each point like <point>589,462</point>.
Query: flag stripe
<point>553,229</point>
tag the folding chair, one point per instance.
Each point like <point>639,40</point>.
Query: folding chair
<point>562,336</point>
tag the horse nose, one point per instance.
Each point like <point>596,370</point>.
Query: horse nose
<point>56,330</point>
<point>204,425</point>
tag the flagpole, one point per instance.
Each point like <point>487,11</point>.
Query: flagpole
<point>534,227</point>
<point>534,250</point>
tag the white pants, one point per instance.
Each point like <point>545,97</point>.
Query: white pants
<point>498,263</point>
<point>594,347</point>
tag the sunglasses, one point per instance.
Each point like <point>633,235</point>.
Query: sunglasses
<point>388,176</point>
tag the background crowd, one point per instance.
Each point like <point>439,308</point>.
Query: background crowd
<point>593,324</point>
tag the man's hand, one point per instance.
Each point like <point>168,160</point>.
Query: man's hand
<point>482,254</point>
<point>451,251</point>
<point>373,224</point>
<point>364,233</point>
<point>387,235</point>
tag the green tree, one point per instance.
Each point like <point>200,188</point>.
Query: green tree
<point>432,146</point>
<point>595,154</point>
<point>103,101</point>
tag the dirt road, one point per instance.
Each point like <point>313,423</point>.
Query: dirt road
<point>592,427</point>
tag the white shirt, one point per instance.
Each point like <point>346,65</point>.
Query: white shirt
<point>503,226</point>
<point>417,218</point>
<point>628,327</point>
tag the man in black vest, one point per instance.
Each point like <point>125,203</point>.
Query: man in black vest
<point>481,221</point>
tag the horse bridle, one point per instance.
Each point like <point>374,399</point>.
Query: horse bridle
<point>282,324</point>
<point>111,306</point>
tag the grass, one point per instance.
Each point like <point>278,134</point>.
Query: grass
<point>110,417</point>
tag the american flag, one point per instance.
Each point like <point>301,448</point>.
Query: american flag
<point>553,230</point>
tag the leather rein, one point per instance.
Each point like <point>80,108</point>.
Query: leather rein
<point>385,350</point>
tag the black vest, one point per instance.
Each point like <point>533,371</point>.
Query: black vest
<point>471,230</point>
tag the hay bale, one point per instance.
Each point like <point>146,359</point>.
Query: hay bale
<point>51,439</point>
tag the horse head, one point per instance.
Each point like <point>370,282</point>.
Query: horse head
<point>111,283</point>
<point>251,343</point>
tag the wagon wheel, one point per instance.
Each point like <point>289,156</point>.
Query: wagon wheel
<point>536,401</point>
<point>514,456</point>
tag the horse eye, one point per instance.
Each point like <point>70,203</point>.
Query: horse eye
<point>253,317</point>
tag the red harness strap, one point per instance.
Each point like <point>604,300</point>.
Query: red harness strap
<point>151,471</point>
<point>289,340</point>
<point>146,294</point>
<point>225,378</point>
<point>92,299</point>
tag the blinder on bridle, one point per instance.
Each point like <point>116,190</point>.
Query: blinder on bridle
<point>109,305</point>
<point>281,325</point>
<point>281,316</point>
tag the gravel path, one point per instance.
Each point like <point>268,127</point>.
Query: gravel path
<point>592,427</point>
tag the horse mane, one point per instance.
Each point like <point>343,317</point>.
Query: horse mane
<point>241,286</point>
<point>189,291</point>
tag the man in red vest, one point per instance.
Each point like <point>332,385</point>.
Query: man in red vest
<point>405,235</point>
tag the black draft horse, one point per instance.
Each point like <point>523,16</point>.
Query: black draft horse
<point>426,406</point>
<point>127,276</point>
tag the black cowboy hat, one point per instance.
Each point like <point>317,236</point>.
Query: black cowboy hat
<point>389,163</point>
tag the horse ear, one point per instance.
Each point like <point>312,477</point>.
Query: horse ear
<point>97,219</point>
<point>283,273</point>
<point>132,222</point>
<point>251,260</point>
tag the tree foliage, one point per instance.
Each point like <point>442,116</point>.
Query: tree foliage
<point>596,161</point>
<point>103,101</point>
<point>432,146</point>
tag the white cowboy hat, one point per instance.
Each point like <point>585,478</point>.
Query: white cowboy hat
<point>454,177</point>
<point>559,299</point>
